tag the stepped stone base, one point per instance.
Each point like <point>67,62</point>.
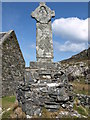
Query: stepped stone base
<point>46,86</point>
<point>44,70</point>
<point>44,65</point>
<point>36,95</point>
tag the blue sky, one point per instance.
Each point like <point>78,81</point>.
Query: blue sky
<point>69,36</point>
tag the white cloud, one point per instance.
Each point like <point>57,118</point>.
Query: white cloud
<point>32,46</point>
<point>72,29</point>
<point>69,46</point>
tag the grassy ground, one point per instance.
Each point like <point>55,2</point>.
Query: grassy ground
<point>79,108</point>
<point>7,114</point>
<point>8,102</point>
<point>81,88</point>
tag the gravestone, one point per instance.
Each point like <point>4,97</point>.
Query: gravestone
<point>44,43</point>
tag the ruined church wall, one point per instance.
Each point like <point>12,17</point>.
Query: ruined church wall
<point>13,65</point>
<point>0,74</point>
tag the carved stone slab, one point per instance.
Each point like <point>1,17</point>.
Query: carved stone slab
<point>44,44</point>
<point>43,14</point>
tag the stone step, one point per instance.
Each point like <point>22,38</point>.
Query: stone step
<point>51,103</point>
<point>52,106</point>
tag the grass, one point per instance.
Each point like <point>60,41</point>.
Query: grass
<point>8,102</point>
<point>81,88</point>
<point>80,109</point>
<point>7,114</point>
<point>9,99</point>
<point>0,102</point>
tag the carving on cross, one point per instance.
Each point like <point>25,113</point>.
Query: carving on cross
<point>43,14</point>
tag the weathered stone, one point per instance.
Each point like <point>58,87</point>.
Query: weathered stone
<point>56,107</point>
<point>65,114</point>
<point>37,111</point>
<point>19,113</point>
<point>13,64</point>
<point>84,99</point>
<point>50,96</point>
<point>44,44</point>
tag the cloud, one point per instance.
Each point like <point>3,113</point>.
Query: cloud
<point>69,46</point>
<point>72,29</point>
<point>32,46</point>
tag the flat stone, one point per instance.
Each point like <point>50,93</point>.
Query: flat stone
<point>52,106</point>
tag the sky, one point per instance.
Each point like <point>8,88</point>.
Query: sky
<point>69,27</point>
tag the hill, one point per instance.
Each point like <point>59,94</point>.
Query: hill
<point>77,67</point>
<point>82,56</point>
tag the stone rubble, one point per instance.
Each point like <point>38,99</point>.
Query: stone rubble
<point>33,96</point>
<point>75,70</point>
<point>66,114</point>
<point>84,100</point>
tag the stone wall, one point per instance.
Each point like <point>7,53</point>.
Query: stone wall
<point>0,79</point>
<point>13,64</point>
<point>45,70</point>
<point>34,95</point>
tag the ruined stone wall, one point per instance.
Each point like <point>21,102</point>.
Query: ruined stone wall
<point>0,74</point>
<point>13,64</point>
<point>35,95</point>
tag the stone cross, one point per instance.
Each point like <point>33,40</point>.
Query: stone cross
<point>44,43</point>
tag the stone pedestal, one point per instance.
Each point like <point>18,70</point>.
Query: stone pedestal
<point>45,70</point>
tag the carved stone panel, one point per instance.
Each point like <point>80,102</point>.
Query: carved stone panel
<point>43,14</point>
<point>44,44</point>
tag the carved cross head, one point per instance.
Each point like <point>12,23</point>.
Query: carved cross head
<point>43,14</point>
